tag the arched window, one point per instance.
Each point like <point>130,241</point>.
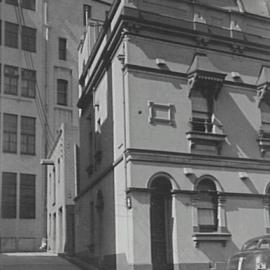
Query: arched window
<point>160,220</point>
<point>208,206</point>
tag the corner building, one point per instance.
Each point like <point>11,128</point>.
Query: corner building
<point>175,110</point>
<point>38,91</point>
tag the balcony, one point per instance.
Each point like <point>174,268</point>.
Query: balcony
<point>264,141</point>
<point>206,135</point>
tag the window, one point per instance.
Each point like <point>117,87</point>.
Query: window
<point>87,10</point>
<point>28,135</point>
<point>62,87</point>
<point>12,2</point>
<point>202,111</point>
<point>28,4</point>
<point>28,83</point>
<point>207,209</point>
<point>62,49</point>
<point>92,227</point>
<point>264,107</point>
<point>0,31</point>
<point>59,170</point>
<point>27,196</point>
<point>205,82</point>
<point>10,133</point>
<point>11,76</point>
<point>9,195</point>
<point>11,34</point>
<point>28,39</point>
<point>0,78</point>
<point>54,187</point>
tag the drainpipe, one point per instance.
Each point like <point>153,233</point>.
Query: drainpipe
<point>45,170</point>
<point>123,59</point>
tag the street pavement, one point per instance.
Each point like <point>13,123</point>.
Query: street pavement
<point>34,261</point>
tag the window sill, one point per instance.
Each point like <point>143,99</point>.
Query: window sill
<point>204,136</point>
<point>210,237</point>
<point>18,98</point>
<point>28,154</point>
<point>207,139</point>
<point>63,107</point>
<point>264,143</point>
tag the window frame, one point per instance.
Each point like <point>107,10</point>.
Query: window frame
<point>208,201</point>
<point>11,80</point>
<point>9,196</point>
<point>28,39</point>
<point>28,136</point>
<point>10,134</point>
<point>12,2</point>
<point>27,204</point>
<point>62,49</point>
<point>11,35</point>
<point>28,77</point>
<point>28,4</point>
<point>62,92</point>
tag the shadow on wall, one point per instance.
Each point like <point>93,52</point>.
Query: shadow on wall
<point>122,264</point>
<point>176,82</point>
<point>218,254</point>
<point>236,204</point>
<point>239,123</point>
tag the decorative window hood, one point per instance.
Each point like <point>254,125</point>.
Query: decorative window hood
<point>263,94</point>
<point>205,80</point>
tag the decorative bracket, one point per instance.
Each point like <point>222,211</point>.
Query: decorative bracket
<point>204,77</point>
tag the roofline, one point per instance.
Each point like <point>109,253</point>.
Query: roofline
<point>139,16</point>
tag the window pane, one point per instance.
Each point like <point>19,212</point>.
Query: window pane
<point>28,83</point>
<point>62,92</point>
<point>10,133</point>
<point>206,216</point>
<point>28,135</point>
<point>28,39</point>
<point>9,195</point>
<point>27,196</point>
<point>62,48</point>
<point>11,76</point>
<point>28,4</point>
<point>11,34</point>
<point>206,185</point>
<point>12,2</point>
<point>0,31</point>
<point>0,72</point>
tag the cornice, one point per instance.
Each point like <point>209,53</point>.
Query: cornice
<point>166,72</point>
<point>195,194</point>
<point>205,161</point>
<point>134,20</point>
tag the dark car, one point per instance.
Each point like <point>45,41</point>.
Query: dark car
<point>254,255</point>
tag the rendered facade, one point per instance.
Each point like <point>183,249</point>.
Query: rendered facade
<point>39,90</point>
<point>175,110</point>
<point>61,191</point>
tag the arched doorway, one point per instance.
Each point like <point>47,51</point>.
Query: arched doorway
<point>161,224</point>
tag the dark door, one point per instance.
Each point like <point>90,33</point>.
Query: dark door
<point>160,214</point>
